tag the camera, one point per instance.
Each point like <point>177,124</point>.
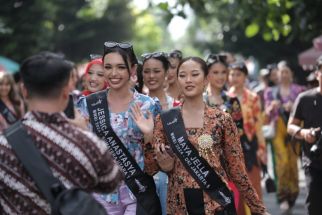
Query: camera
<point>316,149</point>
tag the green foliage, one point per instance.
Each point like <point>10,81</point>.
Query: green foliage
<point>74,27</point>
<point>148,37</point>
<point>272,19</point>
<point>252,30</point>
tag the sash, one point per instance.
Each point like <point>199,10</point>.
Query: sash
<point>7,114</point>
<point>141,184</point>
<point>196,165</point>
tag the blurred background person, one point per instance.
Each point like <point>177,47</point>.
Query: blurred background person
<point>216,96</point>
<point>253,144</point>
<point>11,104</point>
<point>278,104</point>
<point>175,57</point>
<point>273,79</point>
<point>155,69</point>
<point>94,77</point>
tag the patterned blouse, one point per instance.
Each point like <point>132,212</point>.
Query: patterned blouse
<point>126,129</point>
<point>272,93</point>
<point>225,157</point>
<point>252,117</point>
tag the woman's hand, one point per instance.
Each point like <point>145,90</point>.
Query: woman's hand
<point>164,157</point>
<point>146,125</point>
<point>262,156</point>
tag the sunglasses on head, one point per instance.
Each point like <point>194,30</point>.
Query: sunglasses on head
<point>238,65</point>
<point>175,54</point>
<point>214,58</point>
<point>95,56</point>
<point>110,44</point>
<point>127,47</point>
<point>147,56</point>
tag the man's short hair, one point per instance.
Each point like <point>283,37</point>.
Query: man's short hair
<point>45,74</point>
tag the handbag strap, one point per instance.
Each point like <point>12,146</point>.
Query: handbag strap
<point>32,160</point>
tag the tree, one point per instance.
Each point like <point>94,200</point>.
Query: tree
<point>272,19</point>
<point>272,30</point>
<point>75,28</point>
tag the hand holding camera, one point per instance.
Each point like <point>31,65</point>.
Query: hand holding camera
<point>316,149</point>
<point>310,135</point>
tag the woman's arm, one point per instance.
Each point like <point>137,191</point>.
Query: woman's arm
<point>235,168</point>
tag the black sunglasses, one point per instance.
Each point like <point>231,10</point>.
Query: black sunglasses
<point>176,54</point>
<point>214,58</point>
<point>147,56</point>
<point>95,56</point>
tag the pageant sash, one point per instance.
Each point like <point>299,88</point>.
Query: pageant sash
<point>141,184</point>
<point>196,165</point>
<point>7,114</point>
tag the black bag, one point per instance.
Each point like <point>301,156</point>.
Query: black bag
<point>269,182</point>
<point>63,201</point>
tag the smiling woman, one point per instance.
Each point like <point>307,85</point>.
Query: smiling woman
<point>94,77</point>
<point>212,134</point>
<point>110,112</point>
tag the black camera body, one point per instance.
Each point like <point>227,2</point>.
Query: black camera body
<point>316,149</point>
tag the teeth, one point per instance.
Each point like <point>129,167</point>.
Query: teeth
<point>115,80</point>
<point>93,84</point>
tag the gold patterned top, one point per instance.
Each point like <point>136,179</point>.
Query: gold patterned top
<point>224,155</point>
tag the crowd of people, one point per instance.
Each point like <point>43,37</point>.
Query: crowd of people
<point>162,133</point>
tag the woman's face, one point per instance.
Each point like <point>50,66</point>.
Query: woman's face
<point>172,74</point>
<point>95,78</point>
<point>284,75</point>
<point>191,79</point>
<point>273,76</point>
<point>4,87</point>
<point>236,78</point>
<point>116,72</point>
<point>217,75</point>
<point>153,74</point>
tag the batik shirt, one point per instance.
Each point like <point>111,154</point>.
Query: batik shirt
<point>252,117</point>
<point>76,157</point>
<point>127,130</point>
<point>225,157</point>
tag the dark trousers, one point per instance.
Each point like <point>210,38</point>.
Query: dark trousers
<point>313,179</point>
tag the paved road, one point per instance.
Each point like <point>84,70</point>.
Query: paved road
<point>270,199</point>
<point>273,207</point>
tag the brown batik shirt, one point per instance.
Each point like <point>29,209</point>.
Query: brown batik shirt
<point>77,157</point>
<point>225,156</point>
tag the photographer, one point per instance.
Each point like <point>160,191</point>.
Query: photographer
<point>307,112</point>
